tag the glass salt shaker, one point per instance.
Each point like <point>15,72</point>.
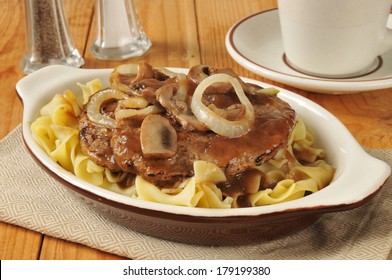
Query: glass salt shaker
<point>119,31</point>
<point>48,36</point>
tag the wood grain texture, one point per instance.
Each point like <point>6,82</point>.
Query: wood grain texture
<point>183,33</point>
<point>57,249</point>
<point>214,19</point>
<point>12,45</point>
<point>17,243</point>
<point>80,17</point>
<point>170,25</point>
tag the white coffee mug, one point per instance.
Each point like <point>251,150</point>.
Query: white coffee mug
<point>335,38</point>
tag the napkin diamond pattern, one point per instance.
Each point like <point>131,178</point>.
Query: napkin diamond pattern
<point>30,198</point>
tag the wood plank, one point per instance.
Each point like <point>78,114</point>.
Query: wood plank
<point>80,16</point>
<point>57,249</point>
<point>12,45</point>
<point>17,243</point>
<point>171,27</point>
<point>214,19</point>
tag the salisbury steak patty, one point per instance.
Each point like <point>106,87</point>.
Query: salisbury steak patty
<point>95,142</point>
<point>122,147</point>
<point>273,124</point>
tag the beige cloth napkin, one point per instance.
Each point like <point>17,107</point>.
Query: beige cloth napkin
<point>31,199</point>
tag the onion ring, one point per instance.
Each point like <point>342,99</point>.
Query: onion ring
<point>128,113</point>
<point>96,102</point>
<point>215,122</point>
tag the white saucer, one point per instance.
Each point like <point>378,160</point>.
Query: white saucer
<point>255,43</point>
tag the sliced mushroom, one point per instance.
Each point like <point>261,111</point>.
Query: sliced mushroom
<point>198,73</point>
<point>242,184</point>
<point>163,74</point>
<point>129,113</point>
<point>133,102</point>
<point>158,138</point>
<point>126,74</point>
<point>175,103</point>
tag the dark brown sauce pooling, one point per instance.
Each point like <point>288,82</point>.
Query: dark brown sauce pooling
<point>274,120</point>
<point>269,132</point>
<point>242,183</point>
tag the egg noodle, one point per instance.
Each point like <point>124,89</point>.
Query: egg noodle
<point>292,173</point>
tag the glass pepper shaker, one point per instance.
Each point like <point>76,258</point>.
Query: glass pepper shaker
<point>48,36</point>
<point>119,31</point>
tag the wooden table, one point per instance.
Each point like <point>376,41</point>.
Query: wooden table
<point>183,33</point>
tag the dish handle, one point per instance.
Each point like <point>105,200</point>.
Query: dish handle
<point>36,82</point>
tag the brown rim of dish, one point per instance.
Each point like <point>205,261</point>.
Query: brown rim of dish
<point>308,77</point>
<point>268,217</point>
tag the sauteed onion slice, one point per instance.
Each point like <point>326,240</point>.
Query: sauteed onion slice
<point>96,102</point>
<point>214,121</point>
